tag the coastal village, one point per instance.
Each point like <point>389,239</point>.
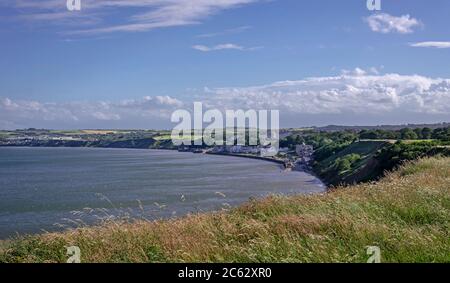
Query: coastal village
<point>299,159</point>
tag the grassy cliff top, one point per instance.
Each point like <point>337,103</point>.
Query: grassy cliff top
<point>406,214</point>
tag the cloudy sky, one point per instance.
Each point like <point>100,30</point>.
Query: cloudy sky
<point>131,63</point>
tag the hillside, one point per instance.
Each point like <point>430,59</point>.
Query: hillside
<point>368,160</point>
<point>353,164</point>
<point>335,128</point>
<point>406,214</point>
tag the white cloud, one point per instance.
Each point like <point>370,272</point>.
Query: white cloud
<point>362,72</point>
<point>354,97</point>
<point>385,23</point>
<point>355,72</point>
<point>432,44</point>
<point>390,98</point>
<point>106,116</point>
<point>146,112</point>
<point>205,48</point>
<point>153,13</point>
<point>166,101</point>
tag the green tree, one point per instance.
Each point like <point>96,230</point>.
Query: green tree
<point>418,132</point>
<point>426,133</point>
<point>408,134</point>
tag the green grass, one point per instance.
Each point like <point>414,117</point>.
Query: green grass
<point>406,214</point>
<point>360,170</point>
<point>5,134</point>
<point>363,148</point>
<point>169,137</point>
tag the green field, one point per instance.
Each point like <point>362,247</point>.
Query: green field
<point>169,137</point>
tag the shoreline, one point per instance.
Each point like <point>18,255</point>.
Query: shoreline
<point>293,219</point>
<point>268,159</point>
<point>296,185</point>
<point>297,168</point>
<point>248,156</point>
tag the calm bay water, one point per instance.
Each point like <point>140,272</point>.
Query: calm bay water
<point>47,189</point>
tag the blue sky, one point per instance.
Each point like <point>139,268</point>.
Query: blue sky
<point>157,55</point>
